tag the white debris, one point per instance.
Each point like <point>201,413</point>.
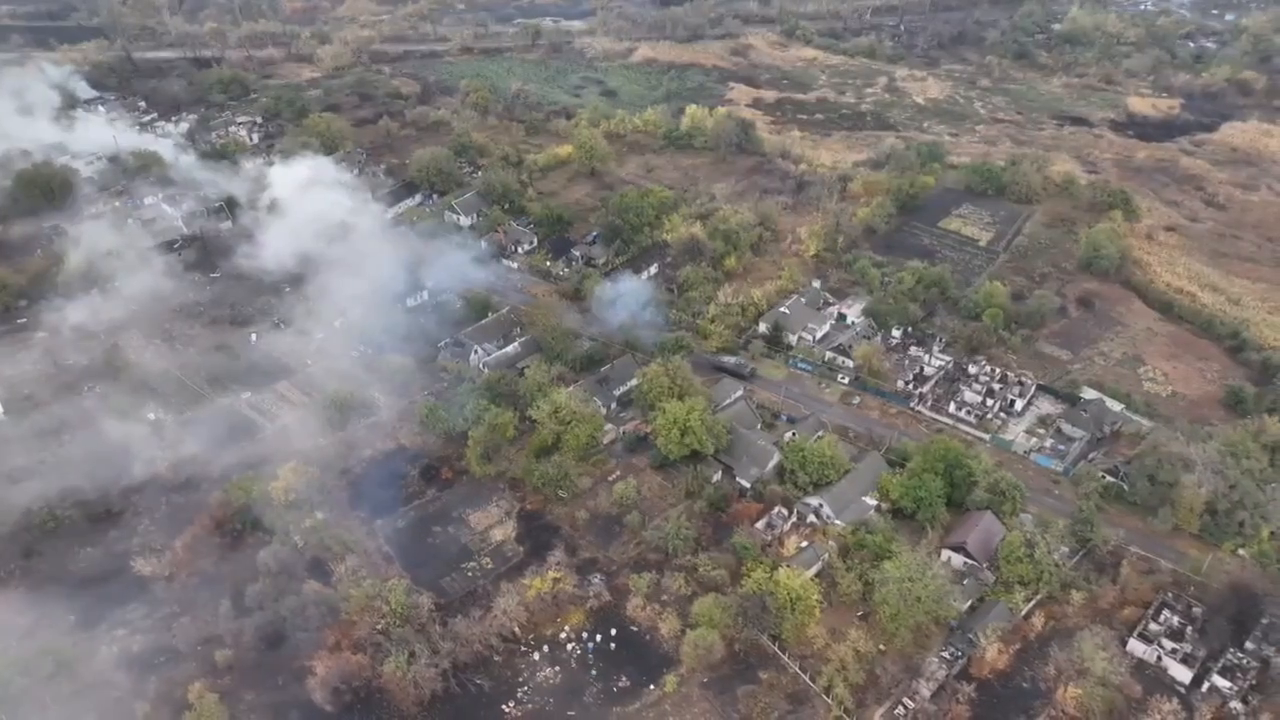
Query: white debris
<point>613,631</point>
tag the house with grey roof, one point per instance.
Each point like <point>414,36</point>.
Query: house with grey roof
<point>512,239</point>
<point>811,427</point>
<point>809,559</point>
<point>1078,434</point>
<point>741,413</point>
<point>613,381</point>
<point>467,210</point>
<point>749,456</point>
<point>514,357</point>
<point>974,540</point>
<point>800,317</point>
<point>726,391</point>
<point>851,499</point>
<point>485,339</point>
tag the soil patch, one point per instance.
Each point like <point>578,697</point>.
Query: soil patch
<point>822,116</point>
<point>965,232</point>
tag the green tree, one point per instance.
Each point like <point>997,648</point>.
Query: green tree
<point>467,147</point>
<point>729,133</point>
<point>701,648</point>
<point>226,84</point>
<point>436,170</point>
<point>871,361</point>
<point>477,96</point>
<point>808,466</point>
<point>41,187</point>
<point>992,294</point>
<point>537,381</point>
<point>846,665</point>
<point>999,492</point>
<point>502,188</point>
<point>565,422</point>
<point>633,217</point>
<point>490,435</point>
<point>1095,669</point>
<point>793,600</point>
<point>1085,526</point>
<point>146,164</point>
<point>942,472</point>
<point>551,475</point>
<point>682,428</point>
<point>1027,566</point>
<point>286,105</point>
<point>330,132</point>
<point>590,150</point>
<point>665,380</point>
<point>716,611</point>
<point>675,536</point>
<point>551,221</point>
<point>1104,251</point>
<point>626,493</point>
<point>676,345</point>
<point>910,597</point>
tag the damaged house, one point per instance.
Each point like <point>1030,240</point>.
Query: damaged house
<point>1078,435</point>
<point>986,394</point>
<point>1168,636</point>
<point>749,457</point>
<point>485,341</point>
<point>512,239</point>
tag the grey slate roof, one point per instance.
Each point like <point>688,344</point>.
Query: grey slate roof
<point>470,204</point>
<point>845,498</point>
<point>749,454</point>
<point>977,535</point>
<point>739,413</point>
<point>602,385</point>
<point>513,355</point>
<point>724,391</point>
<point>794,315</point>
<point>495,330</point>
<point>990,614</point>
<point>1092,416</point>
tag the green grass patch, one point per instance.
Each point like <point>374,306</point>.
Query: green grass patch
<point>571,83</point>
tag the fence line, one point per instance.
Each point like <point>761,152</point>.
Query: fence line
<point>836,708</point>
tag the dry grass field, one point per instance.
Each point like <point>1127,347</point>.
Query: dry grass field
<point>1209,200</point>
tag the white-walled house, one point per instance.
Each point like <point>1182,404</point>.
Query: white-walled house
<point>467,210</point>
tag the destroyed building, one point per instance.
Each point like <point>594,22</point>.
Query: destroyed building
<point>1168,637</point>
<point>988,394</point>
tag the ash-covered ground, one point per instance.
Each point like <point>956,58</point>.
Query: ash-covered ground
<point>152,372</point>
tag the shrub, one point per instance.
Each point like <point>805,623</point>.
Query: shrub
<point>702,647</point>
<point>1103,250</point>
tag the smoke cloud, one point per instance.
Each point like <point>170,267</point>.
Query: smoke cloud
<point>139,366</point>
<point>628,304</point>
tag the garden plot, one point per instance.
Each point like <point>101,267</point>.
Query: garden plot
<point>965,232</point>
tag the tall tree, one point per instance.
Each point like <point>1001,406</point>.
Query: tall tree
<point>486,440</point>
<point>565,423</point>
<point>665,380</point>
<point>807,466</point>
<point>910,597</point>
<point>436,169</point>
<point>682,428</point>
<point>794,601</point>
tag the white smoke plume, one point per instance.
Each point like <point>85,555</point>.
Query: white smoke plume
<point>630,305</point>
<point>138,364</point>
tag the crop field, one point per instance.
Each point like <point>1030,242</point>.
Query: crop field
<point>568,83</point>
<point>964,232</point>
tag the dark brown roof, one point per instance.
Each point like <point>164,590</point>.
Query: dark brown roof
<point>978,535</point>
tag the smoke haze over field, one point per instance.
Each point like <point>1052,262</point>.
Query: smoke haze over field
<point>138,362</point>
